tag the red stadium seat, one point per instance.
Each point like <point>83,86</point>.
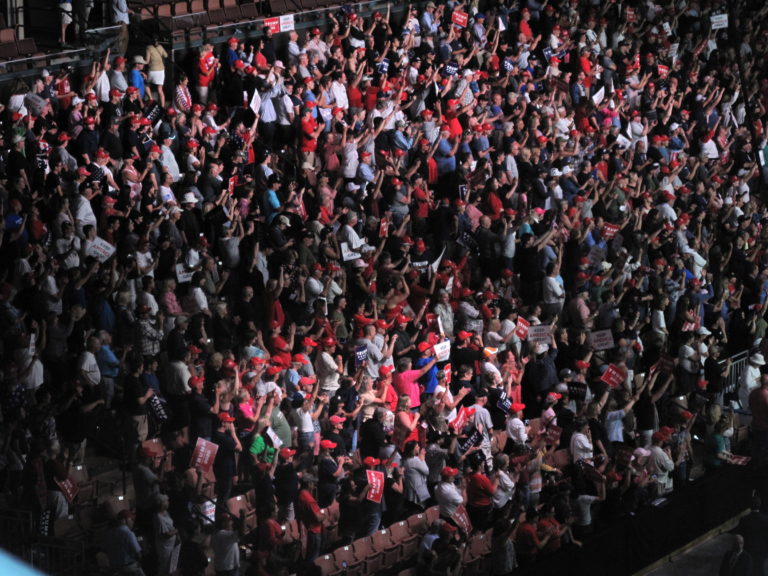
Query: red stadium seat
<point>418,523</point>
<point>406,541</point>
<point>8,51</point>
<point>381,542</point>
<point>232,10</point>
<point>7,35</point>
<point>327,565</point>
<point>249,10</point>
<point>239,508</point>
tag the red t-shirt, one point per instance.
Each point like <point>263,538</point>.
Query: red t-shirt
<point>308,512</point>
<point>279,347</point>
<point>527,541</point>
<point>479,490</point>
<point>308,141</point>
<point>553,544</point>
<point>206,70</point>
<point>355,97</point>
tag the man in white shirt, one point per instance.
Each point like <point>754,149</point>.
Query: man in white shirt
<point>581,443</point>
<point>339,91</point>
<point>661,463</point>
<point>483,422</point>
<point>447,494</point>
<point>88,367</point>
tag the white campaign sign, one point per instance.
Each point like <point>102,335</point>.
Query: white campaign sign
<point>100,249</point>
<point>347,254</point>
<point>719,21</point>
<point>602,340</point>
<point>182,275</point>
<point>442,350</point>
<point>539,333</point>
<point>287,23</point>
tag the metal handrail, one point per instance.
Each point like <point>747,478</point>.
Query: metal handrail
<point>738,363</point>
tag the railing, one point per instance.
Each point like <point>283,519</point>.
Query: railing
<point>738,364</point>
<point>55,556</point>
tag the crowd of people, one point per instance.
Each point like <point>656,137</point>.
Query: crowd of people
<point>489,258</point>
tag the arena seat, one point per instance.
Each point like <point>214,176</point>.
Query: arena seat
<point>7,35</point>
<point>327,565</point>
<point>417,523</point>
<point>381,544</point>
<point>232,10</point>
<point>239,507</point>
<point>249,10</point>
<point>348,562</point>
<point>278,7</point>
<point>406,540</point>
<point>216,13</point>
<point>8,51</point>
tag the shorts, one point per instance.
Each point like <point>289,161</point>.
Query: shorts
<point>156,77</point>
<point>66,13</point>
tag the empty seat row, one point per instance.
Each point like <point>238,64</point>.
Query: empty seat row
<point>385,548</point>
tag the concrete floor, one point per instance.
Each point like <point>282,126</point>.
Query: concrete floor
<point>701,560</point>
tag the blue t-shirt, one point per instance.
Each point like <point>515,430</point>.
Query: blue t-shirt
<point>136,79</point>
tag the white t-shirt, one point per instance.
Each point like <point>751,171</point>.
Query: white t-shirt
<point>90,368</point>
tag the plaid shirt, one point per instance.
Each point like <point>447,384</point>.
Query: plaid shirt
<point>148,337</point>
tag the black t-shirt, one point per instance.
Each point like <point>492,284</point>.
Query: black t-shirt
<point>286,484</point>
<point>201,418</point>
<point>372,438</point>
<point>134,389</point>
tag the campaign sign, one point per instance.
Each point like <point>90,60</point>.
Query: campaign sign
<point>521,329</point>
<point>273,24</point>
<point>182,274</point>
<point>474,439</point>
<point>287,23</point>
<point>540,333</point>
<point>69,488</point>
<point>719,21</point>
<point>602,340</point>
<point>610,230</point>
<point>100,249</point>
<point>460,421</point>
<point>460,18</point>
<point>361,355</point>
<point>442,350</point>
<point>376,483</point>
<point>614,376</point>
<point>203,455</point>
<point>461,519</point>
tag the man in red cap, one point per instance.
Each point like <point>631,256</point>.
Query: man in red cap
<point>661,462</point>
<point>201,411</point>
<point>286,483</point>
<point>447,494</point>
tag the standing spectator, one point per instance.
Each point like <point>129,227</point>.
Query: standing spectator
<point>154,57</point>
<point>122,547</point>
<point>121,17</point>
<point>225,545</point>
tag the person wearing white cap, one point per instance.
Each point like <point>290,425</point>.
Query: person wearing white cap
<point>750,378</point>
<point>136,75</point>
